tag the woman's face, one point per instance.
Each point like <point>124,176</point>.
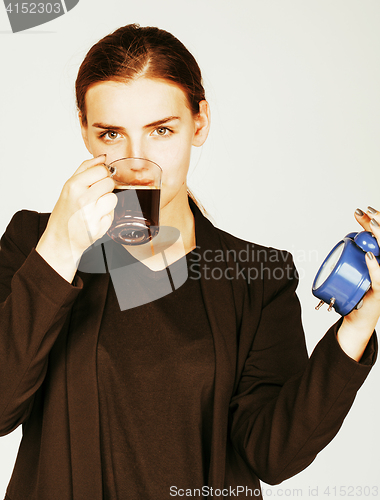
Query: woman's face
<point>145,118</point>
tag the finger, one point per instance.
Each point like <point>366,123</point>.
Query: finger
<point>363,219</point>
<point>106,204</point>
<point>375,229</point>
<point>374,272</point>
<point>105,223</point>
<point>372,212</point>
<point>92,175</point>
<point>375,221</point>
<point>100,188</point>
<point>370,220</point>
<point>95,210</point>
<point>98,160</point>
<point>105,207</point>
<point>99,216</point>
<point>90,195</point>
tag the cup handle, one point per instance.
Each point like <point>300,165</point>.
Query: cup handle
<point>111,169</point>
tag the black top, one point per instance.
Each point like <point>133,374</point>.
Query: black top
<point>155,378</point>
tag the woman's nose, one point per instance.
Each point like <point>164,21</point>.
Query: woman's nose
<point>134,149</point>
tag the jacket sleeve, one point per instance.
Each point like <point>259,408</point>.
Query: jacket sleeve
<point>288,407</point>
<point>34,303</point>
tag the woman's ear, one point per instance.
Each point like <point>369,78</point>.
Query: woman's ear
<point>84,131</point>
<point>202,124</point>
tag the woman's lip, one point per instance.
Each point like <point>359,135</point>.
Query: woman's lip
<point>142,182</point>
<point>136,184</point>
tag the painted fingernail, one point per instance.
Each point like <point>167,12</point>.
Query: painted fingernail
<point>370,255</point>
<point>359,212</point>
<point>372,210</point>
<point>374,223</point>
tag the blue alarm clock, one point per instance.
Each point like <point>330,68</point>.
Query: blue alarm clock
<point>343,278</point>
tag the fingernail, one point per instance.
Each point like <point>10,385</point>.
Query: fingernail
<point>370,255</point>
<point>374,222</point>
<point>359,212</point>
<point>101,155</point>
<point>372,210</point>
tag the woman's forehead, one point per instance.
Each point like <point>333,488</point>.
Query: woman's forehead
<point>143,99</point>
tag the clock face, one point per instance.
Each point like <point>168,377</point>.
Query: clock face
<point>329,265</point>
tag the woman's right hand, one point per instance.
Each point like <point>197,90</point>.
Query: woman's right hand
<point>82,215</point>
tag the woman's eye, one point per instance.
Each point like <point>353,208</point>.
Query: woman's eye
<point>162,131</point>
<point>111,135</point>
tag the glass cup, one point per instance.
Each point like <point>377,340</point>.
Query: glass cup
<point>138,189</point>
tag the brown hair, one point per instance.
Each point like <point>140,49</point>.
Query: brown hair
<point>133,51</point>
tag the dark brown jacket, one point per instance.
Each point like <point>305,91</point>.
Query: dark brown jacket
<point>274,409</point>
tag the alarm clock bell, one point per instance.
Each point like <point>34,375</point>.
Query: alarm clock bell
<point>343,278</point>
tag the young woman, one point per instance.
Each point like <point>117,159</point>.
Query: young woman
<point>203,391</point>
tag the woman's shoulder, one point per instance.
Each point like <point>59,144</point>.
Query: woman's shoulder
<point>271,269</point>
<point>248,251</point>
<point>245,251</point>
<point>25,228</point>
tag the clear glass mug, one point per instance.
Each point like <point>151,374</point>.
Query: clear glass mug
<point>138,189</point>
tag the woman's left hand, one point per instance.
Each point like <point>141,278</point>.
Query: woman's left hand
<point>358,326</point>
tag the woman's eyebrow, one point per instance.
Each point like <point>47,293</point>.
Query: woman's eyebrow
<point>162,121</point>
<point>116,128</point>
<point>105,126</point>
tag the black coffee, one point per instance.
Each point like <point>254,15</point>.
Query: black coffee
<point>136,216</point>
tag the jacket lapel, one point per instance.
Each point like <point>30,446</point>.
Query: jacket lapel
<point>219,303</point>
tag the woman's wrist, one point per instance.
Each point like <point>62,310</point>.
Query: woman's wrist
<point>62,258</point>
<point>353,337</point>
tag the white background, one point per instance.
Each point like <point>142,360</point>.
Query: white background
<point>293,150</point>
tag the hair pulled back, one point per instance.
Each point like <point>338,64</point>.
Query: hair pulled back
<point>133,51</point>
